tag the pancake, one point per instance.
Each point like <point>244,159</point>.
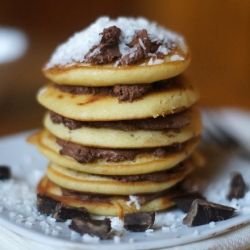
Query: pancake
<point>112,138</point>
<point>84,74</point>
<point>100,184</point>
<point>110,206</point>
<point>120,51</point>
<point>90,107</point>
<point>142,164</point>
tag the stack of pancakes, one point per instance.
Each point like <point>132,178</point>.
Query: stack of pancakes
<point>120,134</point>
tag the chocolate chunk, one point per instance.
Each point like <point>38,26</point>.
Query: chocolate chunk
<point>139,222</point>
<point>99,228</point>
<point>5,173</point>
<point>63,213</point>
<point>108,49</point>
<point>203,212</point>
<point>185,201</point>
<point>45,204</point>
<point>237,186</point>
<point>142,47</point>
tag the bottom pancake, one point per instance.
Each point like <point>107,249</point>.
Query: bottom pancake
<point>109,205</point>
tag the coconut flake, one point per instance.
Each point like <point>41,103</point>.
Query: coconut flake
<point>77,46</point>
<point>133,199</point>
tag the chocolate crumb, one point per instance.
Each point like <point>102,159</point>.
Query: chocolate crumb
<point>5,173</point>
<point>203,212</point>
<point>185,201</point>
<point>139,222</point>
<point>99,228</point>
<point>237,186</point>
<point>45,204</point>
<point>63,212</point>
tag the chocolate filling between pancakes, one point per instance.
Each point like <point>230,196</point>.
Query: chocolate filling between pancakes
<point>123,92</point>
<point>142,198</point>
<point>84,154</point>
<point>174,122</point>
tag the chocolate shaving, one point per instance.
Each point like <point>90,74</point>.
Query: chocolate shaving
<point>63,212</point>
<point>5,173</point>
<point>185,201</point>
<point>237,186</point>
<point>139,222</point>
<point>45,204</point>
<point>203,212</point>
<point>99,228</point>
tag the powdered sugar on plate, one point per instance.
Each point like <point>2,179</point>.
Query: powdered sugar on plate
<point>77,46</point>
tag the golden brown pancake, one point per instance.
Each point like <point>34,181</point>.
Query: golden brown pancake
<point>142,164</point>
<point>112,138</point>
<point>100,184</point>
<point>111,206</point>
<point>90,107</point>
<point>85,74</point>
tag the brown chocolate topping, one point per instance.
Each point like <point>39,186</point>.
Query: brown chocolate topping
<point>122,92</point>
<point>174,121</point>
<point>108,49</point>
<point>141,50</point>
<point>84,154</point>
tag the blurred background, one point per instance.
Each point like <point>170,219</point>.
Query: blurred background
<point>217,32</point>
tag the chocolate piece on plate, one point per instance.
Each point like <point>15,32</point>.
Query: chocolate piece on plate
<point>237,186</point>
<point>45,204</point>
<point>203,212</point>
<point>99,228</point>
<point>184,201</point>
<point>139,222</point>
<point>63,212</point>
<point>5,173</point>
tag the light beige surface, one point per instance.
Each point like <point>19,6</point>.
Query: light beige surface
<point>84,74</point>
<point>84,182</point>
<point>145,163</point>
<point>112,138</point>
<point>116,205</point>
<point>89,107</point>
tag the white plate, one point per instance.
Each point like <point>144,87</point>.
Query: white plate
<point>28,165</point>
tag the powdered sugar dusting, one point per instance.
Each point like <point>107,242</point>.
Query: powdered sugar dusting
<point>77,46</point>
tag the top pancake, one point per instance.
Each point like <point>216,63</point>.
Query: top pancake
<point>85,74</point>
<point>121,51</point>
